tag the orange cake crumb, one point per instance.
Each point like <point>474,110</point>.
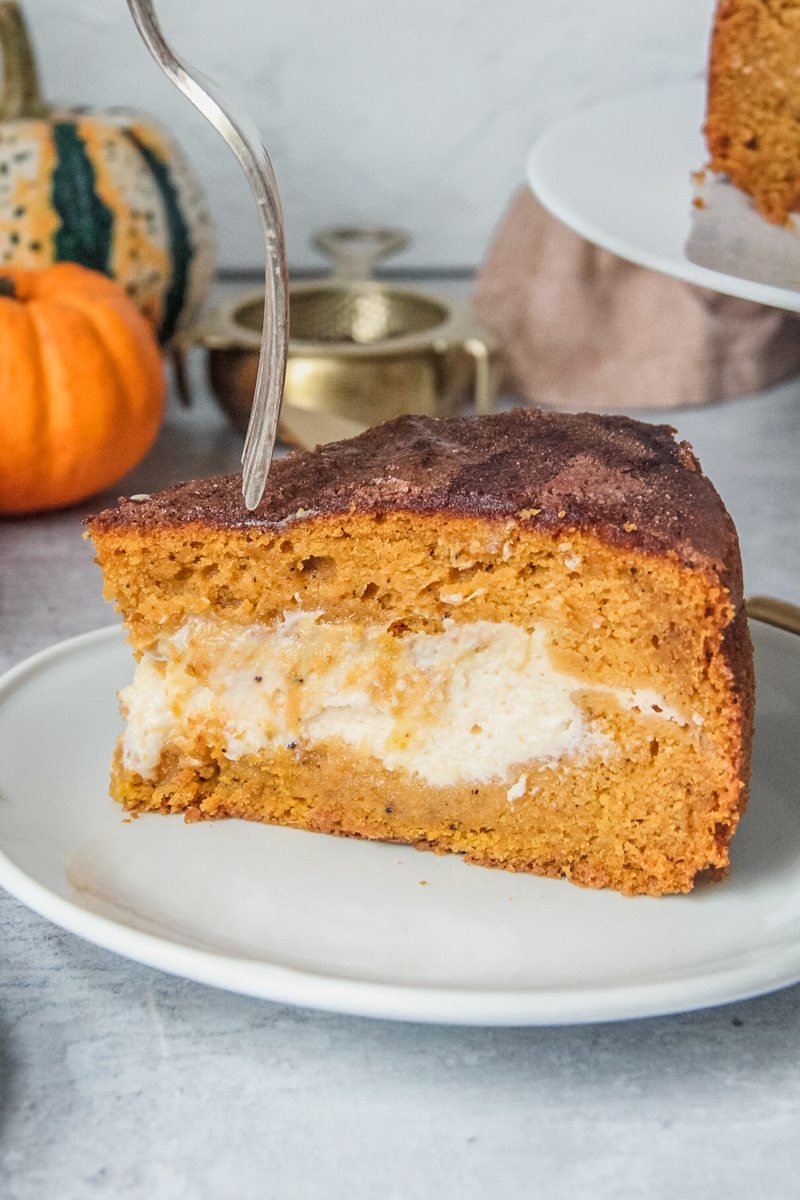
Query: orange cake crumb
<point>752,128</point>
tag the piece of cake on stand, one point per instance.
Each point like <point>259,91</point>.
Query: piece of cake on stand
<point>661,197</point>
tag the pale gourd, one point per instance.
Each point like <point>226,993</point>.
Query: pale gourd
<point>104,188</point>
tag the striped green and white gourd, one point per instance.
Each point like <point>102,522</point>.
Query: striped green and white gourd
<point>107,189</point>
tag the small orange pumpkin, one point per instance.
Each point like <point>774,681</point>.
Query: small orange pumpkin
<point>81,386</point>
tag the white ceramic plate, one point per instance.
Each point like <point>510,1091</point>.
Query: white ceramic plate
<point>620,174</point>
<point>350,926</point>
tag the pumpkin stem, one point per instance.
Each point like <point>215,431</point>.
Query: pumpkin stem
<point>20,95</point>
<point>7,288</point>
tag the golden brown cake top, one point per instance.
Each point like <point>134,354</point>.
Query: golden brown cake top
<point>630,482</point>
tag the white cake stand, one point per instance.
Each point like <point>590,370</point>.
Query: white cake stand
<point>620,174</point>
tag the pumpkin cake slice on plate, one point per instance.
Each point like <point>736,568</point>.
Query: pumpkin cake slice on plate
<point>519,637</point>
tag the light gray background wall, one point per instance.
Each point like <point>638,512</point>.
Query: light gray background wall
<point>409,112</point>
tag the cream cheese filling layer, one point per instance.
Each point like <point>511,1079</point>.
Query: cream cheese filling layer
<point>462,706</point>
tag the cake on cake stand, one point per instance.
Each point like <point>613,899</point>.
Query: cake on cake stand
<point>627,175</point>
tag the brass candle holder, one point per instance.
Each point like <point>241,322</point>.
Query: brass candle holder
<point>359,347</point>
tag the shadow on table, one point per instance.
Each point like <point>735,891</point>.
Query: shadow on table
<point>6,1080</point>
<point>689,1054</point>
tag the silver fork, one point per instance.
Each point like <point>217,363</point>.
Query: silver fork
<point>244,140</point>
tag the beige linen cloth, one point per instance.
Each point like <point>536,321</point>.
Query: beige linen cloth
<point>578,327</point>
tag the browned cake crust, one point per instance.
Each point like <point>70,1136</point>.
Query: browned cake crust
<point>413,505</point>
<point>629,482</point>
<point>751,128</point>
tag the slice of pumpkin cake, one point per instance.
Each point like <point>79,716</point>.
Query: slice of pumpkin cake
<point>519,637</point>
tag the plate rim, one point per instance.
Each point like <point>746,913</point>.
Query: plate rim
<point>444,1005</point>
<point>538,181</point>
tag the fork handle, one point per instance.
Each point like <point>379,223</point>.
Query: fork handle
<point>243,138</point>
